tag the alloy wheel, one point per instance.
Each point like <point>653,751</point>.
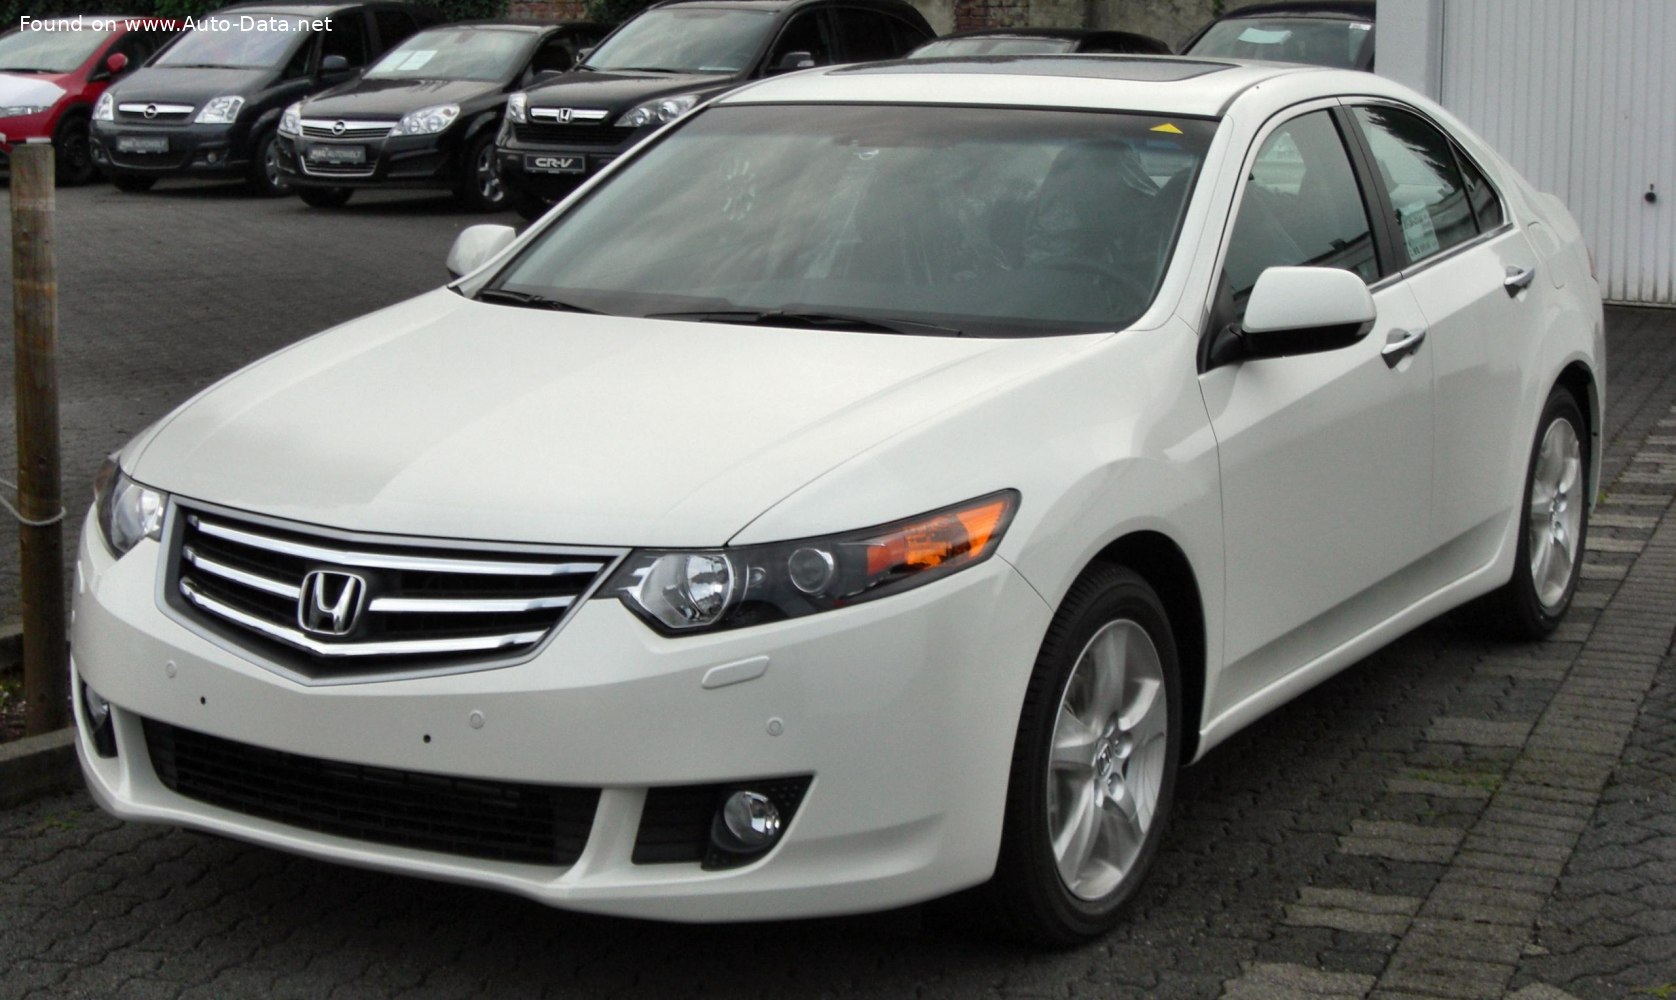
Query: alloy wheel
<point>488,178</point>
<point>1106,769</point>
<point>1555,525</point>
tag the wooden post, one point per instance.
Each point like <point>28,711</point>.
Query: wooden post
<point>46,670</point>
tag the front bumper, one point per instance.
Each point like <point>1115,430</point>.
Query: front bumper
<point>548,172</point>
<point>902,709</point>
<point>196,150</point>
<point>415,161</point>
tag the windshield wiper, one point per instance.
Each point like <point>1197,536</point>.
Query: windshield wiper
<point>643,69</point>
<point>814,320</point>
<point>530,300</point>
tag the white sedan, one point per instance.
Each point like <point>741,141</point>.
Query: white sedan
<point>876,486</point>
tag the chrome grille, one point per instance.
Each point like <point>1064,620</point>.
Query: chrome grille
<point>417,605</point>
<point>153,111</point>
<point>322,128</point>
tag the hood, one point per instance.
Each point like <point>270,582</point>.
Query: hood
<point>444,417</point>
<point>189,86</point>
<point>618,92</point>
<point>394,98</point>
<point>19,89</point>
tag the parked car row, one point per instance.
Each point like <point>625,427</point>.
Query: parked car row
<point>322,99</point>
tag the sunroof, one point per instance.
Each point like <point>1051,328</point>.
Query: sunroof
<point>1090,67</point>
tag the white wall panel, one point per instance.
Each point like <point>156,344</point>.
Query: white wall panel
<point>1581,96</point>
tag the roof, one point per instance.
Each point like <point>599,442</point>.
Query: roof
<point>293,8</point>
<point>1362,10</point>
<point>1176,85</point>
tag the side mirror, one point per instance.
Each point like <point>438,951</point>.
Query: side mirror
<point>582,56</point>
<point>794,61</point>
<point>476,245</point>
<point>115,63</point>
<point>1304,310</point>
<point>545,75</point>
<point>334,65</point>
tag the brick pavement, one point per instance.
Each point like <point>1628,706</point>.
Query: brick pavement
<point>1453,817</point>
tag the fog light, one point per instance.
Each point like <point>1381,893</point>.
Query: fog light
<point>97,711</point>
<point>750,820</point>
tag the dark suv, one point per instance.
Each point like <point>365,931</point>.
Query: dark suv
<point>209,104</point>
<point>671,57</point>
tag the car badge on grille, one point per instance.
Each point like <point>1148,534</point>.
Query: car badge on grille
<point>338,128</point>
<point>564,116</point>
<point>150,111</point>
<point>330,601</point>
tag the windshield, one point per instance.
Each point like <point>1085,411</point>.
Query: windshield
<point>45,50</point>
<point>685,40</point>
<point>236,43</point>
<point>1316,41</point>
<point>985,221</point>
<point>456,54</point>
<point>994,47</point>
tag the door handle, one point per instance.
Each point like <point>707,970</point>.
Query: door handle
<point>1518,279</point>
<point>1400,344</point>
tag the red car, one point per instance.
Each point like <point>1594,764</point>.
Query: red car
<point>52,70</point>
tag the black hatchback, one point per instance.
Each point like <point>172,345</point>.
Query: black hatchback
<point>425,115</point>
<point>209,104</point>
<point>671,57</point>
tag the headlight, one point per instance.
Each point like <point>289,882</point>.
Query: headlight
<point>699,589</point>
<point>22,110</point>
<point>125,510</point>
<point>518,107</point>
<point>105,109</point>
<point>664,109</point>
<point>427,121</point>
<point>220,110</point>
<point>291,122</point>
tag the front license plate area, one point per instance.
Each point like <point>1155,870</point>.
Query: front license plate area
<point>337,154</point>
<point>142,144</point>
<point>549,164</point>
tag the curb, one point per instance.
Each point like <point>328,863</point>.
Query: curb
<point>37,766</point>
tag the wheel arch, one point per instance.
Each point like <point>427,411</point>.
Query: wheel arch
<point>1165,567</point>
<point>1579,380</point>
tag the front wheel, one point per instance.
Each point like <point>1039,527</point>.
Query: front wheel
<point>480,188</point>
<point>1094,764</point>
<point>74,152</point>
<point>1553,526</point>
<point>265,178</point>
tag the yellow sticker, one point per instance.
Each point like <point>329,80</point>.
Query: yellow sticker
<point>1166,128</point>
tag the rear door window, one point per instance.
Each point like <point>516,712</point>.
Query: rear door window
<point>1417,166</point>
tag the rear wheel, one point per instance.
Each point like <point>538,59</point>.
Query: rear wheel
<point>480,187</point>
<point>73,151</point>
<point>1553,525</point>
<point>265,178</point>
<point>1094,764</point>
<point>335,197</point>
<point>132,183</point>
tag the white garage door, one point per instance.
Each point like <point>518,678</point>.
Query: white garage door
<point>1581,96</point>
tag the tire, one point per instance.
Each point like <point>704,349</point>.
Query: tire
<point>265,179</point>
<point>73,150</point>
<point>133,183</point>
<point>481,189</point>
<point>1553,526</point>
<point>336,197</point>
<point>1078,836</point>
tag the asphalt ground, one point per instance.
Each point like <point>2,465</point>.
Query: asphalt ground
<point>1453,817</point>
